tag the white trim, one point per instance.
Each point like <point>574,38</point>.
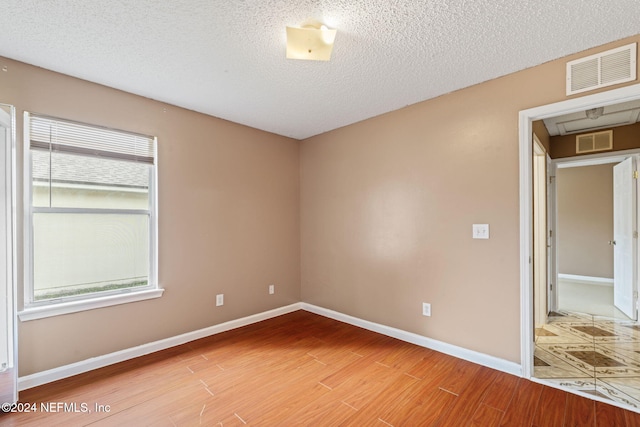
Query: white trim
<point>36,310</point>
<point>154,207</point>
<point>50,310</point>
<point>538,148</point>
<point>8,126</point>
<point>27,238</point>
<point>552,215</point>
<point>55,374</point>
<point>87,365</point>
<point>443,347</point>
<point>526,246</point>
<point>616,96</point>
<point>587,280</point>
<point>595,159</point>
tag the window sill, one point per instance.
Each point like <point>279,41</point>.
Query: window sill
<point>41,312</point>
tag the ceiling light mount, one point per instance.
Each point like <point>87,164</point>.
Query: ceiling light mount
<point>311,42</point>
<point>594,113</point>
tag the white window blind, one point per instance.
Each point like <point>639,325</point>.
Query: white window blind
<point>47,133</point>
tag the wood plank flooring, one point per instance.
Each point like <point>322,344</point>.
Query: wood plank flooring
<point>304,369</point>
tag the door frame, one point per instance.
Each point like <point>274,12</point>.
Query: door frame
<point>552,222</point>
<point>573,162</point>
<point>541,234</point>
<point>526,117</point>
<point>8,122</point>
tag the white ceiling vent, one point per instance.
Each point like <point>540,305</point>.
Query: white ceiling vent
<point>597,141</point>
<point>603,69</point>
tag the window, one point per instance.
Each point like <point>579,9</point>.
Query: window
<point>91,226</point>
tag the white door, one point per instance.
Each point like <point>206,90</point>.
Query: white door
<point>623,241</point>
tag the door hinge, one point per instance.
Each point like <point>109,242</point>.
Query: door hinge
<point>635,295</point>
<point>551,178</point>
<point>635,234</point>
<point>550,286</point>
<point>550,233</point>
<point>635,174</point>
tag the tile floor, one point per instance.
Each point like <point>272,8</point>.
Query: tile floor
<point>593,354</point>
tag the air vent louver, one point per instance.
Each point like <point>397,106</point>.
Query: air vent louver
<point>603,69</point>
<point>596,141</point>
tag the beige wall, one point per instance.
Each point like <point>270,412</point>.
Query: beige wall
<point>540,130</point>
<point>388,204</point>
<point>374,217</point>
<point>228,219</point>
<point>585,220</point>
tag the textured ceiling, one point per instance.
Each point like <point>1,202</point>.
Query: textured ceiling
<point>227,58</point>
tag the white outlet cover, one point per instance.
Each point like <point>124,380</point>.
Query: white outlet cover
<point>480,231</point>
<point>426,309</point>
<point>272,289</point>
<point>219,300</point>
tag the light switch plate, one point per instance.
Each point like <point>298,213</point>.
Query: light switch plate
<point>480,231</point>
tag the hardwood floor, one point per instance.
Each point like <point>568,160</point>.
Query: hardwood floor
<point>304,369</point>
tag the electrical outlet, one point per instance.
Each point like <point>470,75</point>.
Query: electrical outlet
<point>219,300</point>
<point>426,309</point>
<point>272,289</point>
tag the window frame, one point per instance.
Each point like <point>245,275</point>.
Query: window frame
<point>52,307</point>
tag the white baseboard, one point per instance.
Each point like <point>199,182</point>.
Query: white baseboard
<point>83,366</point>
<point>587,280</point>
<point>452,350</point>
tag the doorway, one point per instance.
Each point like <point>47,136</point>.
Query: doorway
<point>595,214</point>
<point>588,344</point>
<point>528,246</point>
